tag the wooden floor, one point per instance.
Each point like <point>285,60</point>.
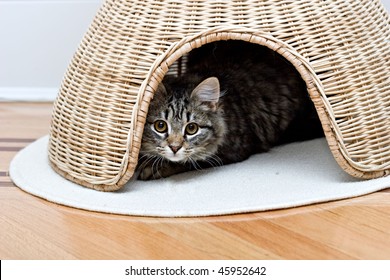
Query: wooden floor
<point>32,228</point>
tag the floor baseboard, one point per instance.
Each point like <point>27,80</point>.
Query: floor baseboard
<point>28,94</point>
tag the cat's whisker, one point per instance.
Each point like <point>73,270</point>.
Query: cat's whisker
<point>195,164</point>
<point>146,162</point>
<point>212,162</point>
<point>156,166</point>
<point>218,160</point>
<point>143,156</point>
<point>143,159</point>
<point>211,158</point>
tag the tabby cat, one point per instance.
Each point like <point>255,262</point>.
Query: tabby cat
<point>234,100</point>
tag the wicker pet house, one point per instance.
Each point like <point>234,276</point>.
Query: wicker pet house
<point>340,48</point>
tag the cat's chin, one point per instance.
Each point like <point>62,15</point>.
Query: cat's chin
<point>175,158</point>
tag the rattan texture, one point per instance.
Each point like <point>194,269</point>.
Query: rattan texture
<point>340,48</point>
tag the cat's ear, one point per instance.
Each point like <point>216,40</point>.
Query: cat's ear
<point>160,95</point>
<point>161,90</point>
<point>207,92</point>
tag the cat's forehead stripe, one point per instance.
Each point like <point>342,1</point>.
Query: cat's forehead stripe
<point>165,114</point>
<point>172,111</point>
<point>177,109</point>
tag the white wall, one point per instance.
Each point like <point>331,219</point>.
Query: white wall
<point>37,41</point>
<point>386,3</point>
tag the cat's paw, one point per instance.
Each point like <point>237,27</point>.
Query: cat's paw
<point>166,170</point>
<point>147,174</point>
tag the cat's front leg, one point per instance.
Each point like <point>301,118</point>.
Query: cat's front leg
<point>153,171</point>
<point>146,173</point>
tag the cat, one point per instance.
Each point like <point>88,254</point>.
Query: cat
<point>234,100</point>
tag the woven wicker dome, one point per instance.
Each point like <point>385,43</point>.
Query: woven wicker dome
<point>341,49</point>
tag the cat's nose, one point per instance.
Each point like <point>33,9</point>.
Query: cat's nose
<point>175,148</point>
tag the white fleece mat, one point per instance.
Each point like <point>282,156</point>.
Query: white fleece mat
<point>288,176</point>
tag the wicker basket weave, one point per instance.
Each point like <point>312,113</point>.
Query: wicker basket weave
<point>340,48</point>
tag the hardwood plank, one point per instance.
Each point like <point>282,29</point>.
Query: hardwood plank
<point>24,120</point>
<point>76,233</point>
<point>10,149</point>
<point>16,140</point>
<point>20,124</point>
<point>324,231</point>
<point>344,230</point>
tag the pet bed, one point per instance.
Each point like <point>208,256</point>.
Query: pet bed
<point>340,48</point>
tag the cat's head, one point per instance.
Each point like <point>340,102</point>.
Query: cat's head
<point>185,122</point>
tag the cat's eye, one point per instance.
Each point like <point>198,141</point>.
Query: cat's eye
<point>160,126</point>
<point>192,128</point>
